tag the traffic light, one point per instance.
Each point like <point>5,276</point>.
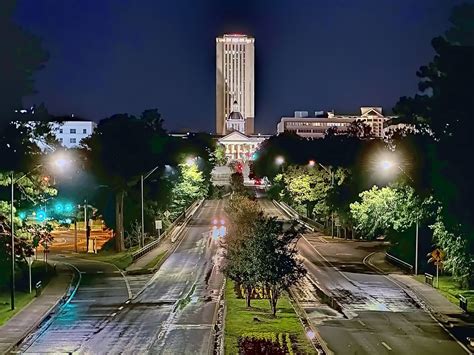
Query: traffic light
<point>40,216</point>
<point>68,207</point>
<point>58,207</point>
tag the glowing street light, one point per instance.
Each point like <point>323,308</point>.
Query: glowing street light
<point>311,163</point>
<point>59,162</point>
<point>386,164</point>
<point>190,161</point>
<point>279,160</point>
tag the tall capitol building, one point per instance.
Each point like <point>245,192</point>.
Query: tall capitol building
<point>235,84</point>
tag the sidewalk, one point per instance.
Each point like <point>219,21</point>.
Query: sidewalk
<point>458,323</point>
<point>434,301</point>
<point>31,316</point>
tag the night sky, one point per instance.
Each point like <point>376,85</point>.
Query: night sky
<point>113,56</point>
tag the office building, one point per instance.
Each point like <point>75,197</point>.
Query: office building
<point>235,83</point>
<point>317,125</point>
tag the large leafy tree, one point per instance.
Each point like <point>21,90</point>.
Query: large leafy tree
<point>388,208</point>
<point>275,258</point>
<point>191,186</point>
<point>121,149</point>
<point>308,187</point>
<point>444,108</point>
<point>21,55</point>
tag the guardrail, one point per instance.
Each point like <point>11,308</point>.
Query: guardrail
<point>397,261</point>
<point>152,245</point>
<point>429,279</point>
<point>307,222</point>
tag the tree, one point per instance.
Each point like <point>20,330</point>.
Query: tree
<point>458,261</point>
<point>121,149</point>
<point>308,186</point>
<point>191,186</point>
<point>388,208</point>
<point>219,155</point>
<point>243,214</point>
<point>275,258</point>
<point>444,109</point>
<point>22,55</point>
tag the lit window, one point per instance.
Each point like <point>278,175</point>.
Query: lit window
<point>84,130</point>
<point>72,131</point>
<point>72,140</point>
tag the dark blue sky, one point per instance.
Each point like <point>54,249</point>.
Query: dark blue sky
<point>111,56</point>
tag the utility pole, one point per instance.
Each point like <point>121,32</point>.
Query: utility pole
<point>12,222</point>
<point>332,212</point>
<point>75,234</point>
<point>143,213</point>
<point>85,225</point>
<point>416,248</point>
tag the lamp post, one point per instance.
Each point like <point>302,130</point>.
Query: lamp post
<point>12,230</point>
<point>142,179</point>
<point>386,165</point>
<point>60,162</point>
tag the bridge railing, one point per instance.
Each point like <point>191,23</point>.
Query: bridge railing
<point>152,245</point>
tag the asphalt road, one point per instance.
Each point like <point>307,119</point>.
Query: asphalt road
<point>173,314</point>
<point>377,316</point>
<point>64,240</point>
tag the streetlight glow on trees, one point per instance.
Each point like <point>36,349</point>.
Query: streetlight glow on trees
<point>58,161</point>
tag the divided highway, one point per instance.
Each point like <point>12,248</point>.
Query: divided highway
<point>377,317</point>
<point>173,312</point>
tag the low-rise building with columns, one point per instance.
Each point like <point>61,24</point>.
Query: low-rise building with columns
<point>239,146</point>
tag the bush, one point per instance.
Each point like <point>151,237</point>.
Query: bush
<point>265,343</point>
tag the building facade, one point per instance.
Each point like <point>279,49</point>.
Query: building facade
<point>239,146</point>
<point>317,126</point>
<point>235,80</point>
<point>70,133</point>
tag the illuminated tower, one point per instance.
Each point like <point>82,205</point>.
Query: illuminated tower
<point>235,79</point>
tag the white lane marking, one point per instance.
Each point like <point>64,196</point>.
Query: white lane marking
<point>113,314</point>
<point>120,308</point>
<point>99,272</point>
<point>386,346</point>
<point>367,262</point>
<point>127,302</point>
<point>361,323</point>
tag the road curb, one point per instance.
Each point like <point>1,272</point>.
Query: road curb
<point>303,317</point>
<point>64,300</point>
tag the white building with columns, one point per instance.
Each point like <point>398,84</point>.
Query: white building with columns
<point>239,146</point>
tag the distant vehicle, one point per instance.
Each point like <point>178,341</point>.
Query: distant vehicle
<point>258,182</point>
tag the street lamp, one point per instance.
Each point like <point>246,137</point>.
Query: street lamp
<point>59,162</point>
<point>142,179</point>
<point>385,165</point>
<point>279,160</point>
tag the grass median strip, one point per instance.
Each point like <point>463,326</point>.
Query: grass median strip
<point>241,321</point>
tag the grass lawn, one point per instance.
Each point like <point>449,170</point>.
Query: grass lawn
<point>450,289</point>
<point>121,260</point>
<point>21,300</point>
<point>22,297</point>
<point>239,320</point>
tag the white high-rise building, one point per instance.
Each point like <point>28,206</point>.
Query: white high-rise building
<point>235,58</point>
